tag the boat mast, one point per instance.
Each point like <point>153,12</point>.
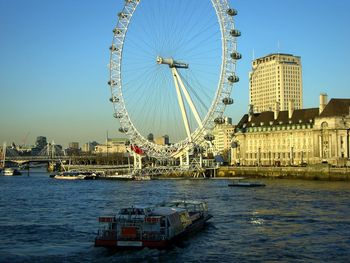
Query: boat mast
<point>3,154</point>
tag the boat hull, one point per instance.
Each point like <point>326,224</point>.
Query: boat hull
<point>74,175</point>
<point>156,244</point>
<point>247,185</point>
<point>68,177</point>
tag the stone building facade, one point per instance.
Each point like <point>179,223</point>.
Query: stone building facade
<point>294,137</point>
<point>223,136</point>
<point>113,145</point>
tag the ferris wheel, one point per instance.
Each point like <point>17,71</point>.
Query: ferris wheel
<point>172,70</point>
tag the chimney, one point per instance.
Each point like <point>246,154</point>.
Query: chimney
<point>277,110</point>
<point>228,120</point>
<point>323,102</point>
<point>251,112</point>
<point>290,109</point>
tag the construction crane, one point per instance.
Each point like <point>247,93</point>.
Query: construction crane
<point>24,140</point>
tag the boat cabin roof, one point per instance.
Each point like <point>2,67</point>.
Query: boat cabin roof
<point>135,210</point>
<point>165,211</point>
<point>181,203</point>
<point>184,204</point>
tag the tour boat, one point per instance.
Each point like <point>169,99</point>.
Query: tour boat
<point>122,177</point>
<point>75,175</point>
<point>11,172</point>
<point>238,182</point>
<point>128,177</point>
<point>153,227</point>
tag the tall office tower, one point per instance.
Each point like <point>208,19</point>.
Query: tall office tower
<point>275,81</point>
<point>41,142</point>
<point>73,145</point>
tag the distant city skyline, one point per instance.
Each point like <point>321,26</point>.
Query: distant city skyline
<point>54,57</point>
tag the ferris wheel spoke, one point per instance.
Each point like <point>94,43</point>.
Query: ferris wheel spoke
<point>198,98</point>
<point>135,92</point>
<point>197,35</point>
<point>192,24</point>
<point>200,54</point>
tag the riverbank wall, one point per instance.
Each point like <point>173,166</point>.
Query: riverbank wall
<point>317,172</point>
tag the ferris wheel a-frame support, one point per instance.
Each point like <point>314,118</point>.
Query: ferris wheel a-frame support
<point>174,65</point>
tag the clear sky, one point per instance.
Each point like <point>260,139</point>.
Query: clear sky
<point>54,56</point>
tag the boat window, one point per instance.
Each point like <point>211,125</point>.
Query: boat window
<point>131,211</point>
<point>162,222</point>
<point>124,211</point>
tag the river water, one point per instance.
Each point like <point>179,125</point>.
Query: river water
<point>48,220</point>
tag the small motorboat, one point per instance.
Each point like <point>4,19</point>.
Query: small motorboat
<point>11,172</point>
<point>75,175</point>
<point>128,177</point>
<point>122,177</point>
<point>153,227</point>
<point>241,182</point>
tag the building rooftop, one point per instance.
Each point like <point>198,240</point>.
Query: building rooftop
<point>336,107</point>
<point>276,54</point>
<point>266,118</point>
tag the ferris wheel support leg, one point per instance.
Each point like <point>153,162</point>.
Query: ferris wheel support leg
<point>137,161</point>
<point>189,100</point>
<point>185,159</point>
<point>181,104</point>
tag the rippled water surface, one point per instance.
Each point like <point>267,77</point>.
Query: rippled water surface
<point>48,220</point>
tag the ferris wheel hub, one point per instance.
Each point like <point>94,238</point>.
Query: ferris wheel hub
<point>171,62</point>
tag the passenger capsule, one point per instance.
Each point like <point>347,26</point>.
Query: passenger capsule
<point>235,33</point>
<point>113,48</point>
<point>122,15</point>
<point>198,149</point>
<point>117,31</point>
<point>232,12</point>
<point>235,55</point>
<point>112,83</point>
<point>123,129</point>
<point>219,120</point>
<point>233,78</point>
<point>227,101</point>
<point>114,99</point>
<point>117,115</point>
<point>209,137</point>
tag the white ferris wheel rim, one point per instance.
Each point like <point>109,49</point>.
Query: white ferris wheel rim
<point>224,87</point>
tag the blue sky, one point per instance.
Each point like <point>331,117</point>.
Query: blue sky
<point>54,56</point>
